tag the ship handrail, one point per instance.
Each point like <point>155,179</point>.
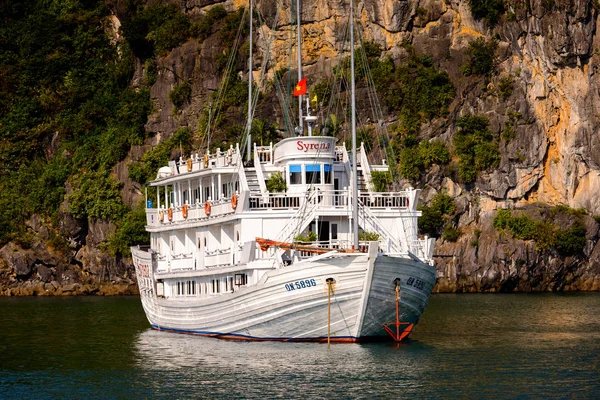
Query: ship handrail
<point>301,219</point>
<point>375,225</point>
<point>259,174</point>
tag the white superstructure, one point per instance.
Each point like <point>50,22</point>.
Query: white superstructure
<point>205,274</point>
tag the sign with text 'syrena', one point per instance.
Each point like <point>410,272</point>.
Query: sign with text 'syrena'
<point>305,147</point>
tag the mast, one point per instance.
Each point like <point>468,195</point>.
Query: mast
<point>354,183</point>
<point>301,130</point>
<point>249,122</point>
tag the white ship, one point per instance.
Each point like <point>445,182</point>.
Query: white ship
<point>204,272</point>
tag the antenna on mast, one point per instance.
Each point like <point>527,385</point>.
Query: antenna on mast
<point>298,22</point>
<point>249,122</point>
<point>353,110</point>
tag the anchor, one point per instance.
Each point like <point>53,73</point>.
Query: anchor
<point>398,335</point>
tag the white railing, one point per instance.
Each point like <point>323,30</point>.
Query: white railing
<point>423,248</point>
<point>346,162</point>
<point>259,173</point>
<point>196,212</point>
<point>301,219</point>
<point>219,257</point>
<point>263,154</point>
<point>198,260</point>
<point>370,222</point>
<point>386,199</point>
<point>197,162</point>
<point>366,168</point>
<point>325,199</point>
<point>276,201</point>
<point>241,170</point>
<point>181,262</point>
<point>339,153</point>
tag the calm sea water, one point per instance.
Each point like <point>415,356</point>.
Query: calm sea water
<point>466,346</point>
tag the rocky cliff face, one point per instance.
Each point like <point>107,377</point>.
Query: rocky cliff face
<point>547,50</point>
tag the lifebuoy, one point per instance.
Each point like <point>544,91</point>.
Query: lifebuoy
<point>234,200</point>
<point>189,165</point>
<point>207,208</point>
<point>170,214</point>
<point>206,161</point>
<point>184,211</point>
<point>161,216</point>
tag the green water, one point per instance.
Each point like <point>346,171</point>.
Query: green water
<point>466,346</point>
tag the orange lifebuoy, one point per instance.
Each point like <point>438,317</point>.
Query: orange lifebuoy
<point>207,208</point>
<point>184,211</point>
<point>189,165</point>
<point>206,161</point>
<point>234,200</point>
<point>170,214</point>
<point>161,216</point>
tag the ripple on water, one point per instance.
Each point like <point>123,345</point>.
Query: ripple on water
<point>465,346</point>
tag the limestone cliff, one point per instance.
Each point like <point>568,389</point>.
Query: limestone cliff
<point>547,50</point>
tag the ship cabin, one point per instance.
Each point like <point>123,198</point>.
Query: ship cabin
<point>210,208</point>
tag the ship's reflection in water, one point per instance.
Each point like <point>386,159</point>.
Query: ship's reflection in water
<point>271,369</point>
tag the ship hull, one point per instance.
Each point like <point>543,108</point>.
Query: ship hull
<point>292,303</point>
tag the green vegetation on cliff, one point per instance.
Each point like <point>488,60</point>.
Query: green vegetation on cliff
<point>481,56</point>
<point>437,217</point>
<point>417,157</point>
<point>476,147</point>
<point>67,111</point>
<point>544,232</point>
<point>155,28</point>
<point>491,10</point>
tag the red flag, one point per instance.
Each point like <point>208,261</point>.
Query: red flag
<point>300,88</point>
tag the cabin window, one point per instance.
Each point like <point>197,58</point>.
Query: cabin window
<point>240,279</point>
<point>185,288</point>
<point>206,193</point>
<point>229,284</point>
<point>191,288</point>
<point>295,174</point>
<point>334,231</point>
<point>225,190</point>
<point>196,195</point>
<point>185,197</point>
<point>172,198</point>
<point>215,286</point>
<point>327,176</point>
<point>313,174</point>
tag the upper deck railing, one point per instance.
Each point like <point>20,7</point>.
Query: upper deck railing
<point>332,199</point>
<point>265,153</point>
<point>325,200</point>
<point>191,212</point>
<point>197,162</point>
